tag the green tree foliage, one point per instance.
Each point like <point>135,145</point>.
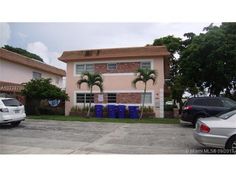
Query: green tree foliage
<point>91,80</point>
<point>174,46</point>
<point>41,89</point>
<point>209,61</point>
<point>144,75</point>
<point>203,62</point>
<point>23,52</point>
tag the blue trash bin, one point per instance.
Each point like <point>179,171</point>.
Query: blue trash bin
<point>99,111</point>
<point>133,112</point>
<point>111,111</point>
<point>121,111</point>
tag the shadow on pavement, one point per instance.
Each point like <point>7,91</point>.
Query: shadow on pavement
<point>9,126</point>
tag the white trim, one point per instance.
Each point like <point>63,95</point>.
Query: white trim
<point>118,74</point>
<point>161,103</point>
<point>114,91</point>
<point>112,61</point>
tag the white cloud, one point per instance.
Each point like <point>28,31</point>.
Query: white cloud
<point>5,33</point>
<point>49,57</point>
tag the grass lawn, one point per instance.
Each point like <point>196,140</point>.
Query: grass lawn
<point>82,119</point>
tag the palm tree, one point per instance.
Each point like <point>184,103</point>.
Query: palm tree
<point>91,80</point>
<point>144,75</point>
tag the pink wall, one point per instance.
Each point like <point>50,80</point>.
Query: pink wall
<point>119,83</point>
<point>16,73</point>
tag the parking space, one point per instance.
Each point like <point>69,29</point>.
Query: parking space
<point>58,137</point>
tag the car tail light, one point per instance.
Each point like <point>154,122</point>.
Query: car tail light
<point>4,110</point>
<point>204,128</point>
<point>187,108</point>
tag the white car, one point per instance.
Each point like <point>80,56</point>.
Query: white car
<point>11,111</point>
<point>218,131</point>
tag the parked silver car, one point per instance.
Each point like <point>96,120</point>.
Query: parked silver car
<point>218,131</point>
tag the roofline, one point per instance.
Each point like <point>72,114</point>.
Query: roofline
<point>165,54</point>
<point>29,62</point>
<point>112,48</point>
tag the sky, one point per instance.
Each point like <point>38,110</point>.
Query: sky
<point>49,40</point>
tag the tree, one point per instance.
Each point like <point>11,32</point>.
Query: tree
<point>144,75</point>
<point>40,89</point>
<point>174,46</point>
<point>209,61</point>
<point>23,52</point>
<point>91,80</point>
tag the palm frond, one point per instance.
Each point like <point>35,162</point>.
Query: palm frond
<point>100,86</point>
<point>79,82</point>
<point>136,80</point>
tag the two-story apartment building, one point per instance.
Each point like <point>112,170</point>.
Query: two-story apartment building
<point>118,67</point>
<point>16,69</point>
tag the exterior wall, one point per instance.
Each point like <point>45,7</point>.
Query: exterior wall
<point>125,67</point>
<point>16,73</point>
<point>120,83</point>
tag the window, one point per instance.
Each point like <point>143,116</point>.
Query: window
<point>89,68</point>
<point>145,65</point>
<point>111,66</point>
<point>11,102</point>
<point>37,75</point>
<point>57,80</point>
<point>148,98</point>
<point>84,98</point>
<point>228,103</point>
<point>111,97</point>
<point>226,115</point>
<point>200,102</point>
<point>214,102</point>
<point>80,68</point>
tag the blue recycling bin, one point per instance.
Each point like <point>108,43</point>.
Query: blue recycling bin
<point>121,111</point>
<point>99,111</point>
<point>133,112</point>
<point>111,111</point>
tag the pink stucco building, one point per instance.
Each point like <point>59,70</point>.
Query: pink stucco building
<point>117,66</point>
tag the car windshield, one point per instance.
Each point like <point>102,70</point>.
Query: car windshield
<point>226,115</point>
<point>11,102</point>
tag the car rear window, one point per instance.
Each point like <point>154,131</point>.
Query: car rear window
<point>11,102</point>
<point>226,115</point>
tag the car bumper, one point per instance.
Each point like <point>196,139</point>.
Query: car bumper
<point>12,118</point>
<point>210,140</point>
<point>186,117</point>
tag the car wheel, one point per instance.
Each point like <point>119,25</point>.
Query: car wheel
<point>15,124</point>
<point>231,145</point>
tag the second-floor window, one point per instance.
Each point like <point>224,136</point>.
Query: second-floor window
<point>145,65</point>
<point>36,75</point>
<point>111,66</point>
<point>81,68</point>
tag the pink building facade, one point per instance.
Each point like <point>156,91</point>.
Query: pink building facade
<point>118,67</point>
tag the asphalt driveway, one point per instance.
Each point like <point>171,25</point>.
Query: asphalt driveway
<point>58,137</point>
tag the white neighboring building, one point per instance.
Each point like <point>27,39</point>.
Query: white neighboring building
<point>16,69</point>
